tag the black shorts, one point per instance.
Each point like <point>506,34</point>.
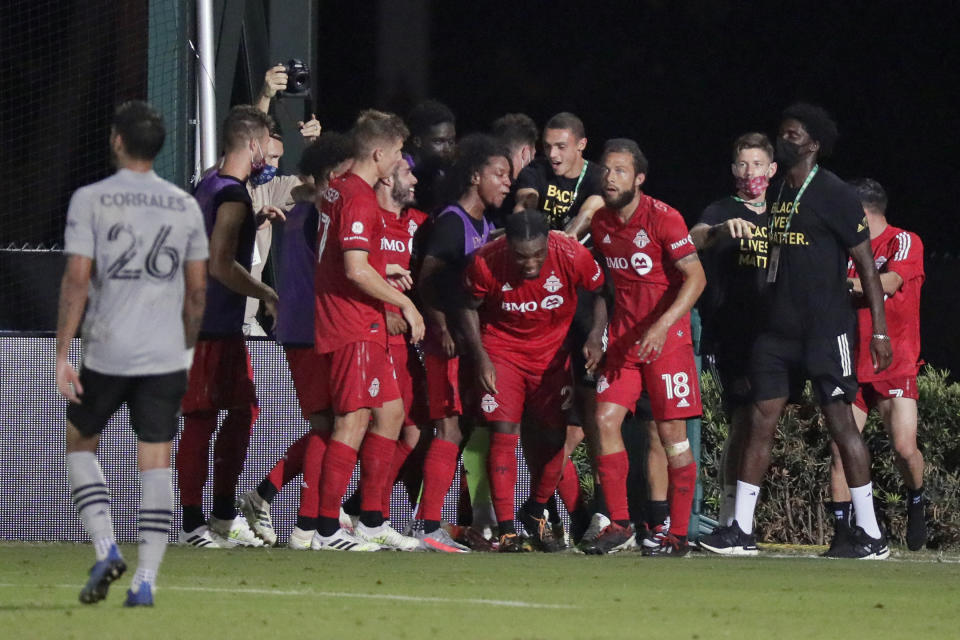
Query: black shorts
<point>729,365</point>
<point>153,401</point>
<point>778,363</point>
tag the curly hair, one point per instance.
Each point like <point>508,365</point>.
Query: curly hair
<point>818,123</point>
<point>474,152</point>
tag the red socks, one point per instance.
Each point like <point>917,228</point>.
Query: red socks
<point>400,454</point>
<point>502,471</point>
<point>569,487</point>
<point>549,476</point>
<point>439,465</point>
<point>193,455</point>
<point>312,464</point>
<point>612,469</point>
<point>291,463</point>
<point>683,481</point>
<point>376,456</point>
<point>338,466</point>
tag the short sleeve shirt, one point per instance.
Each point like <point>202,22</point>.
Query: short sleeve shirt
<point>526,320</point>
<point>639,256</point>
<point>397,245</point>
<point>901,252</point>
<point>139,230</point>
<point>736,269</point>
<point>557,192</point>
<point>349,220</point>
<point>809,297</point>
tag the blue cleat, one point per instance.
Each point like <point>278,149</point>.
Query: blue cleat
<point>101,575</point>
<point>142,597</point>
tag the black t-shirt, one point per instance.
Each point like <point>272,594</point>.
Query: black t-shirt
<point>238,193</point>
<point>446,243</point>
<point>736,270</point>
<point>430,174</point>
<point>809,297</point>
<point>556,192</point>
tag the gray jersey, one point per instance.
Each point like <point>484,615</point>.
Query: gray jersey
<point>139,230</point>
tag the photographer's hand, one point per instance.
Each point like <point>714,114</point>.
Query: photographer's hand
<point>274,80</point>
<point>310,130</point>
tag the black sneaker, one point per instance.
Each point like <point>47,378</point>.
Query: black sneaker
<point>511,543</point>
<point>670,545</point>
<point>730,541</point>
<point>539,531</point>
<point>841,539</point>
<point>612,538</point>
<point>858,545</point>
<point>916,526</point>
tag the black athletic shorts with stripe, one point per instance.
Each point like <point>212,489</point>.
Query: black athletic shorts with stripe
<point>776,362</point>
<point>153,402</point>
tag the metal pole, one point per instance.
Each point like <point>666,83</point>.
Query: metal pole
<point>205,84</point>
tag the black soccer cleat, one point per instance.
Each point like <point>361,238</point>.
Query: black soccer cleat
<point>101,575</point>
<point>539,530</point>
<point>841,539</point>
<point>670,546</point>
<point>612,538</point>
<point>511,543</point>
<point>730,541</point>
<point>916,526</point>
<point>858,545</point>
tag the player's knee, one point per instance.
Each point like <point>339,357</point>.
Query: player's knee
<point>905,449</point>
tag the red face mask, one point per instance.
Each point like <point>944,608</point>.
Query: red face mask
<point>753,187</point>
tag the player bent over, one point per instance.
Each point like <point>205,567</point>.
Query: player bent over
<point>525,287</point>
<point>136,243</point>
<point>351,338</point>
<point>656,279</point>
<point>898,255</point>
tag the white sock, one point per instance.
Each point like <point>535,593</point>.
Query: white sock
<point>156,514</point>
<point>728,501</point>
<point>747,495</point>
<point>866,519</point>
<point>90,495</point>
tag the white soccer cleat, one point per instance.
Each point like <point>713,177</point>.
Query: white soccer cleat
<point>342,540</point>
<point>387,537</point>
<point>235,532</point>
<point>598,523</point>
<point>202,537</point>
<point>300,539</point>
<point>257,512</point>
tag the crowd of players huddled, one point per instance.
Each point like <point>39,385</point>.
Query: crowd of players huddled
<point>441,300</point>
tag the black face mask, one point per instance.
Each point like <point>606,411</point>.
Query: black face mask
<point>788,153</point>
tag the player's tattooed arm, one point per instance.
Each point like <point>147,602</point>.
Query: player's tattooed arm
<point>694,280</point>
<point>526,199</point>
<point>194,299</point>
<point>427,285</point>
<point>580,225</point>
<point>73,299</point>
<point>470,324</point>
<point>593,347</point>
<point>880,349</point>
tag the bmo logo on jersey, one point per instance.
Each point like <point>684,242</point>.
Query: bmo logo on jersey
<point>641,263</point>
<point>519,307</point>
<point>397,246</point>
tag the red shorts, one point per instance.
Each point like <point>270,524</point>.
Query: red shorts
<point>443,386</point>
<point>546,395</point>
<point>410,379</point>
<point>870,393</point>
<point>311,389</point>
<point>671,382</point>
<point>356,376</point>
<point>221,376</point>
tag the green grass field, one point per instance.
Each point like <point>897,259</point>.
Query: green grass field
<point>277,593</point>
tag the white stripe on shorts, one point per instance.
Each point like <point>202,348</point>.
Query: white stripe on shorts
<point>844,347</point>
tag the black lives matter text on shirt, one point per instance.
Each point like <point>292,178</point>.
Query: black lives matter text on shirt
<point>556,192</point>
<point>809,297</point>
<point>736,271</point>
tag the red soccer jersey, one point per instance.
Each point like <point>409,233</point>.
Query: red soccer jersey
<point>349,219</point>
<point>397,245</point>
<point>900,252</point>
<point>527,320</point>
<point>639,256</point>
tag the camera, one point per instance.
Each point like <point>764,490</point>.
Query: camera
<point>298,79</point>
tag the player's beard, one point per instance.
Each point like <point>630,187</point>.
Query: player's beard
<point>619,201</point>
<point>401,195</point>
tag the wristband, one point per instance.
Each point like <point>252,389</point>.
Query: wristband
<point>188,358</point>
<point>881,336</point>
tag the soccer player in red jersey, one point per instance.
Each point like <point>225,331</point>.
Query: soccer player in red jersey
<point>898,255</point>
<point>481,177</point>
<point>221,377</point>
<point>656,279</point>
<point>525,287</point>
<point>351,334</point>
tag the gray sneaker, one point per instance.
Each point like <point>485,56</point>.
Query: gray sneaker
<point>438,540</point>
